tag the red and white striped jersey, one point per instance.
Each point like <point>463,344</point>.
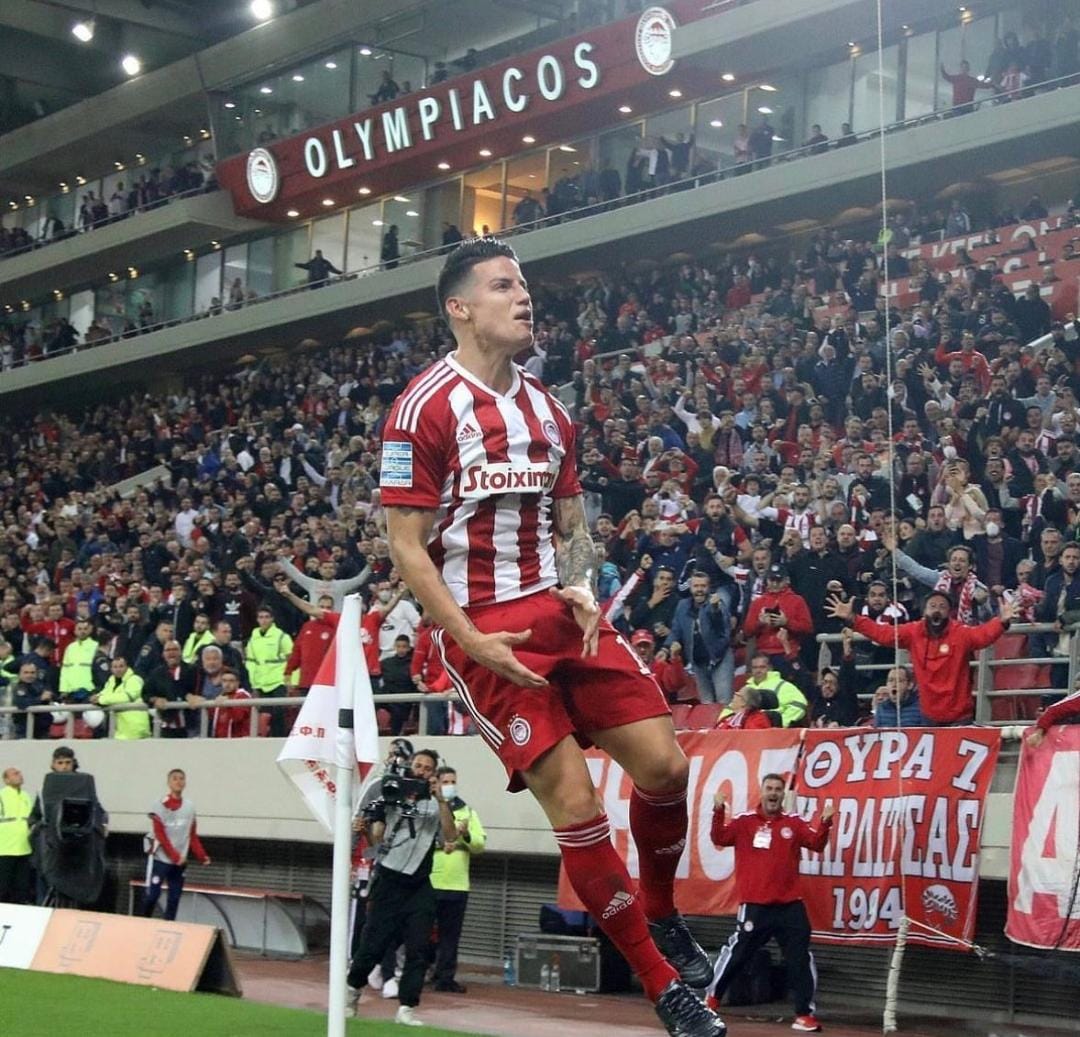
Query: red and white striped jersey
<point>491,465</point>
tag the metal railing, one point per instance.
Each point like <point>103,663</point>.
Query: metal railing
<point>223,309</point>
<point>254,707</point>
<point>984,665</point>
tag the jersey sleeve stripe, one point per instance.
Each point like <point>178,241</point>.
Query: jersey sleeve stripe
<point>418,392</point>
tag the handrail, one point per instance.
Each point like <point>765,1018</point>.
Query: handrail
<point>256,704</point>
<point>73,231</point>
<point>687,183</point>
<point>984,665</point>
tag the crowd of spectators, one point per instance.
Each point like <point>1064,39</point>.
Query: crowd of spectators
<point>150,190</point>
<point>734,450</point>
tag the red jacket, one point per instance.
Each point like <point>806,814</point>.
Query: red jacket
<point>62,631</point>
<point>427,663</point>
<point>233,721</point>
<point>744,720</point>
<point>310,647</point>
<point>1060,712</point>
<point>942,664</point>
<point>799,623</point>
<point>767,874</point>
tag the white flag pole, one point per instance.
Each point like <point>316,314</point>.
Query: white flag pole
<point>348,659</point>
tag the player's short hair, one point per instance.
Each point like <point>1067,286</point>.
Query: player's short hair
<point>459,264</point>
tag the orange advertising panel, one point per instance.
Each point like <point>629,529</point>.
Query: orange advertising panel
<point>151,952</point>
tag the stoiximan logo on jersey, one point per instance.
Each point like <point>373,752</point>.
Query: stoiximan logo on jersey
<point>486,480</point>
<point>653,40</point>
<point>262,176</point>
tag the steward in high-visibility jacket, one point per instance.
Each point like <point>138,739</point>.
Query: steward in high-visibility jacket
<point>266,654</point>
<point>790,703</point>
<point>122,687</point>
<point>15,809</point>
<point>196,641</point>
<point>77,665</point>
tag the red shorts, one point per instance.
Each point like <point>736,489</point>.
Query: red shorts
<point>609,689</point>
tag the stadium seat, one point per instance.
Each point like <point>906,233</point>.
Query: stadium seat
<point>680,714</point>
<point>704,716</point>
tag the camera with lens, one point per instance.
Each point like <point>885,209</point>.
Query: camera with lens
<point>398,788</point>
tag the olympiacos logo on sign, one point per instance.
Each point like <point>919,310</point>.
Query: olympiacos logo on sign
<point>262,176</point>
<point>653,39</point>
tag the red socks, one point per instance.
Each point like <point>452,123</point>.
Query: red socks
<point>658,823</point>
<point>600,879</point>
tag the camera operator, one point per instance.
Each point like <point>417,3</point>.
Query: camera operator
<point>406,818</point>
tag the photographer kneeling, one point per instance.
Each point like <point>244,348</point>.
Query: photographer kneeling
<point>407,819</point>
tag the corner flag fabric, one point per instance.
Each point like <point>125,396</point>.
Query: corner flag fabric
<point>316,743</point>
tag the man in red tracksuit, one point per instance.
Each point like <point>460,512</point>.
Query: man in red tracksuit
<point>767,849</point>
<point>55,626</point>
<point>941,651</point>
<point>312,643</point>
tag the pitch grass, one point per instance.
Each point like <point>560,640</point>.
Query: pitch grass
<point>39,1004</point>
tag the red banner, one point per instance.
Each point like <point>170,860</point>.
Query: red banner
<point>909,808</point>
<point>734,761</point>
<point>1043,911</point>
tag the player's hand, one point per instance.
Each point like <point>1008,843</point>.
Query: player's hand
<point>829,812</point>
<point>495,652</point>
<point>719,800</point>
<point>586,615</point>
<point>1010,610</point>
<point>205,862</point>
<point>1035,737</point>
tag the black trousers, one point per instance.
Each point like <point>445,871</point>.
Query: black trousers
<point>756,925</point>
<point>16,880</point>
<point>162,873</point>
<point>449,916</point>
<point>400,909</point>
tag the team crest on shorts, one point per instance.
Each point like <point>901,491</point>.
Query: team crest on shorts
<point>520,730</point>
<point>551,430</point>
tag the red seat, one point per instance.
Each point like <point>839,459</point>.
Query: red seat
<point>704,716</point>
<point>680,714</point>
<point>688,692</point>
<point>383,717</point>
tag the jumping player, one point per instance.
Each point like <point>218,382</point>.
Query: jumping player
<point>487,527</point>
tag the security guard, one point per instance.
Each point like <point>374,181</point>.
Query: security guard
<point>198,639</point>
<point>266,654</point>
<point>450,880</point>
<point>782,700</point>
<point>77,666</point>
<point>15,805</point>
<point>123,687</point>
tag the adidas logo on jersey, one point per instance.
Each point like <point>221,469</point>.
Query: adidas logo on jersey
<point>467,433</point>
<point>619,902</point>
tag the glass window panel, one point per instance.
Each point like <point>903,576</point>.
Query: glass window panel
<point>482,203</point>
<point>178,291</point>
<point>524,183</point>
<point>664,131</point>
<point>441,211</point>
<point>828,97</point>
<point>110,306</point>
<point>783,108</point>
<point>365,237</point>
<point>260,267</point>
<point>865,108</point>
<point>144,301</point>
<point>62,207</point>
<point>235,278</point>
<point>615,148</point>
<point>405,212</point>
<point>207,281</point>
<point>82,310</point>
<point>972,42</point>
<point>328,235</point>
<point>922,75</point>
<point>714,135</point>
<point>289,249</point>
<point>567,164</point>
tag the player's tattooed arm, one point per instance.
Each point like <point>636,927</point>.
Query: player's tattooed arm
<point>575,555</point>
